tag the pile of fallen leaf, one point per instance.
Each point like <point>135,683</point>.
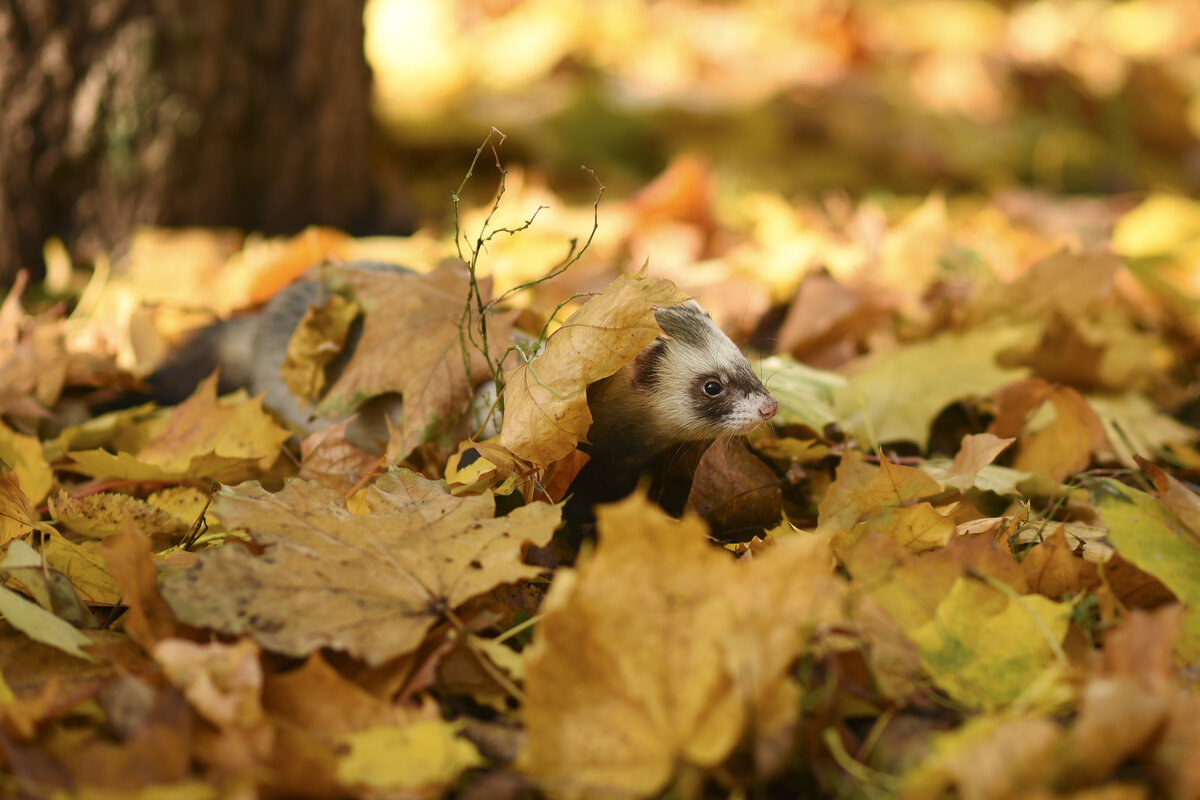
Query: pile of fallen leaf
<point>1081,95</point>
<point>963,562</point>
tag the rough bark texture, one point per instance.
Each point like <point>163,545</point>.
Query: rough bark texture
<point>117,113</point>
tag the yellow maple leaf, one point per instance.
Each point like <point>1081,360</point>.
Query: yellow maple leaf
<point>660,650</point>
<point>427,755</point>
<point>1064,446</point>
<point>984,648</point>
<point>16,512</point>
<point>225,440</point>
<point>316,342</point>
<point>23,454</point>
<point>84,566</point>
<point>102,514</point>
<point>918,527</point>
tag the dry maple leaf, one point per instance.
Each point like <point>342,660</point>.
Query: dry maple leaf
<point>1060,448</point>
<point>101,514</point>
<point>369,584</point>
<point>1175,495</point>
<point>1062,355</point>
<point>996,757</point>
<point>1118,719</point>
<point>33,359</point>
<point>318,698</point>
<point>865,499</point>
<point>16,511</point>
<point>734,490</point>
<point>977,451</point>
<point>83,564</point>
<point>919,527</point>
<point>131,563</point>
<point>413,344</point>
<point>222,682</point>
<point>315,707</point>
<point>27,459</point>
<point>1064,283</point>
<point>660,650</point>
<point>546,412</point>
<point>326,457</point>
<point>1053,570</point>
<point>682,192</point>
<point>827,319</point>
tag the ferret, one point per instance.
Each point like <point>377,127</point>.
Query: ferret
<point>692,384</point>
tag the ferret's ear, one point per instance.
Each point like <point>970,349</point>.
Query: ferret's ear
<point>646,364</point>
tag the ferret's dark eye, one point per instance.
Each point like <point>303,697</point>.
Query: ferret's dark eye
<point>713,388</point>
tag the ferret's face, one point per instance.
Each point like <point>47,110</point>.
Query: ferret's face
<point>733,402</point>
<point>700,382</point>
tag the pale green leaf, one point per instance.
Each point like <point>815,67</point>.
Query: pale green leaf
<point>42,626</point>
<point>896,395</point>
<point>1147,534</point>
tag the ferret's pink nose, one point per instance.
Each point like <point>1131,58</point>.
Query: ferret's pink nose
<point>768,408</point>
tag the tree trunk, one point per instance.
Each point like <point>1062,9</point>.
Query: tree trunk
<point>118,113</point>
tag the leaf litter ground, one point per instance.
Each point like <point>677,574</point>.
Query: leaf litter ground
<point>978,581</point>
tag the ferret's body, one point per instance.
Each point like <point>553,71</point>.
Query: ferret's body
<point>249,352</point>
<point>692,384</point>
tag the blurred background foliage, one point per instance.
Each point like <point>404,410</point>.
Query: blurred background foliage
<point>796,96</point>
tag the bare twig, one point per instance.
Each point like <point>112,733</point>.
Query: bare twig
<point>473,324</point>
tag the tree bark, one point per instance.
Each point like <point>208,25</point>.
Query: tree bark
<point>119,113</point>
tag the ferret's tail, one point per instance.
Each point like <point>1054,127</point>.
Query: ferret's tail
<point>227,346</point>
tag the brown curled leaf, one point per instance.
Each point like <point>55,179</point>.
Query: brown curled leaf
<point>546,412</point>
